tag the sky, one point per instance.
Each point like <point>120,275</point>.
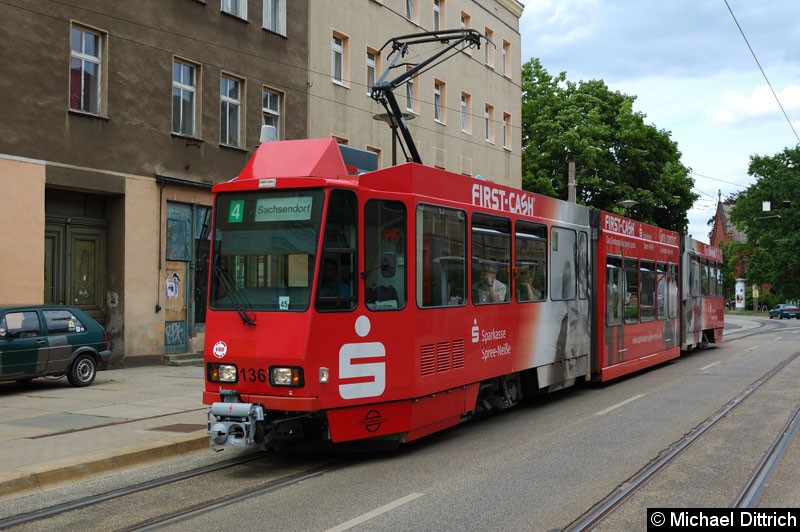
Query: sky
<point>691,72</point>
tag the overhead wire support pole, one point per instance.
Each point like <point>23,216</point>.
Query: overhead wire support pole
<point>383,90</point>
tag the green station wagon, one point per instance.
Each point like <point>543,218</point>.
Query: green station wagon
<point>50,341</point>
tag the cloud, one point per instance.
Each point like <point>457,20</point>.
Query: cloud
<point>613,39</point>
<point>734,109</point>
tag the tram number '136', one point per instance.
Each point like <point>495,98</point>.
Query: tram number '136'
<point>362,364</point>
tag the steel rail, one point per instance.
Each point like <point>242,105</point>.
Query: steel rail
<point>618,497</point>
<point>209,506</point>
<point>751,492</point>
<point>91,500</point>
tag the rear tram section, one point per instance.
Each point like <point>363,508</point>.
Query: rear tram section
<point>394,303</point>
<point>703,303</point>
<point>638,302</point>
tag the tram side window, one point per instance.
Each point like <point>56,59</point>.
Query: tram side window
<point>614,291</point>
<point>337,287</point>
<point>694,276</point>
<point>715,279</point>
<point>672,291</point>
<point>631,311</point>
<point>531,261</point>
<point>647,290</point>
<point>704,277</point>
<point>584,277</point>
<point>385,254</point>
<point>441,238</point>
<point>720,291</point>
<point>661,291</point>
<point>712,278</point>
<point>491,256</point>
<point>563,258</point>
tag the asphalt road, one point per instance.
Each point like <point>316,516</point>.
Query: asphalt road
<point>536,467</point>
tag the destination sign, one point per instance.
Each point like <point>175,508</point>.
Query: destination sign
<point>283,209</point>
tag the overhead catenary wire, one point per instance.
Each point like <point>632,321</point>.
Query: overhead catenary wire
<point>769,84</point>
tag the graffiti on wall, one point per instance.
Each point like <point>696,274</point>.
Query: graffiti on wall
<point>174,334</point>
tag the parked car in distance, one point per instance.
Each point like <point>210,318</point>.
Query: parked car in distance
<point>784,310</point>
<point>50,341</point>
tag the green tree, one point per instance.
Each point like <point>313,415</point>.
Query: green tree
<point>617,156</point>
<point>774,235</point>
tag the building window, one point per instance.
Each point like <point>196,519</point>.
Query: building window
<point>410,102</point>
<point>237,8</point>
<point>230,95</point>
<point>465,25</point>
<point>437,15</point>
<point>439,157</point>
<point>379,152</point>
<point>488,120</point>
<point>466,113</point>
<point>506,58</point>
<point>507,131</point>
<point>411,10</point>
<point>373,65</point>
<point>85,70</point>
<point>271,110</point>
<point>184,97</point>
<point>439,93</point>
<point>339,58</point>
<point>275,16</point>
<point>488,47</point>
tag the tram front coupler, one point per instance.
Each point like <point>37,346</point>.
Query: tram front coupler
<point>234,424</point>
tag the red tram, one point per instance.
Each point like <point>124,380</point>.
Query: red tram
<point>395,303</point>
<point>703,304</point>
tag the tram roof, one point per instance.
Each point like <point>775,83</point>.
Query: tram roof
<point>295,158</point>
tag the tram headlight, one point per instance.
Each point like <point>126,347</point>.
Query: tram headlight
<point>221,373</point>
<point>286,376</point>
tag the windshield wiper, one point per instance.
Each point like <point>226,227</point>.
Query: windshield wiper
<point>240,302</point>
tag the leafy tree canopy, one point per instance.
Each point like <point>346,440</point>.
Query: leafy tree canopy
<point>617,156</point>
<point>774,235</point>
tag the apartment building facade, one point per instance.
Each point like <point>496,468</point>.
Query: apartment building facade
<point>121,116</point>
<point>463,114</point>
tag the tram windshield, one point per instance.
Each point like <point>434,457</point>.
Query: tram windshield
<point>264,250</point>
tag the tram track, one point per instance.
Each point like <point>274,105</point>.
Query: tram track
<point>93,500</point>
<point>752,489</point>
<point>751,492</point>
<point>240,496</point>
<point>44,518</point>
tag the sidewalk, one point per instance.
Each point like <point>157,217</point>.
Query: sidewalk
<point>51,432</point>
